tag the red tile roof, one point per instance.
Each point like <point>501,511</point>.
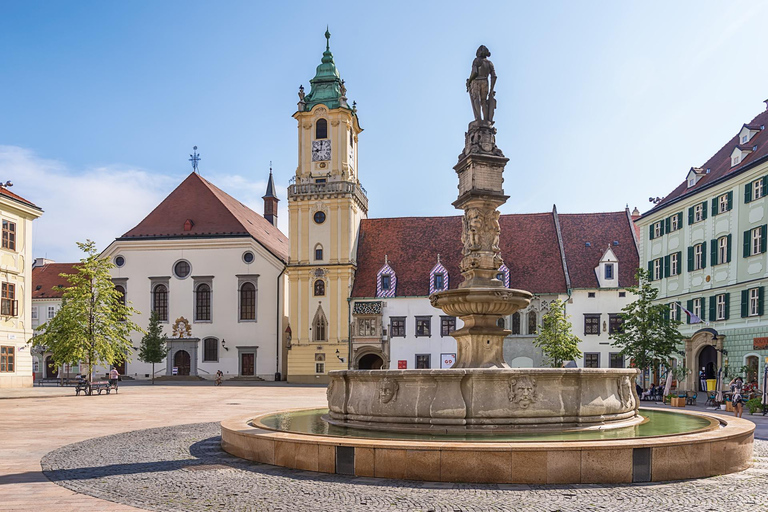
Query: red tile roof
<point>46,278</point>
<point>7,193</point>
<point>529,247</point>
<point>213,213</point>
<point>720,164</point>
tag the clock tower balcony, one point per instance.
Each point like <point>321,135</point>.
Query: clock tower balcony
<point>312,191</point>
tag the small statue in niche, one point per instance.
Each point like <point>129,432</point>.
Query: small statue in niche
<point>388,390</point>
<point>473,224</point>
<point>522,391</point>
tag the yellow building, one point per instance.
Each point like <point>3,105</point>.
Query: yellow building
<point>325,204</point>
<point>16,216</point>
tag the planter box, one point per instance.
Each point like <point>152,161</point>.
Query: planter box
<point>729,406</point>
<point>678,402</point>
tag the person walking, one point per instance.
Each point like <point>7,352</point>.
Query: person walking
<point>737,399</point>
<point>703,379</point>
<point>113,376</point>
<point>219,375</point>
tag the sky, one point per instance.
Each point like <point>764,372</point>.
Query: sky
<point>601,104</point>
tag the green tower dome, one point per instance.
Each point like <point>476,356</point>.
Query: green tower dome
<point>326,86</point>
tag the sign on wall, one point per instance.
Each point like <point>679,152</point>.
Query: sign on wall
<point>402,364</point>
<point>447,360</point>
<point>760,343</point>
<point>175,370</point>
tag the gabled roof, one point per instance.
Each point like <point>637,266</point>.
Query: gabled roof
<point>213,213</point>
<point>720,164</point>
<point>46,278</point>
<point>7,193</point>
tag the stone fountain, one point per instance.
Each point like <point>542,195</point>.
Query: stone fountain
<point>481,392</point>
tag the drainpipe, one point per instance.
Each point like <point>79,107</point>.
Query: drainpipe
<point>278,326</point>
<point>349,333</point>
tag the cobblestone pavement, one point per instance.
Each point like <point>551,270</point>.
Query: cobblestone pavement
<point>183,468</point>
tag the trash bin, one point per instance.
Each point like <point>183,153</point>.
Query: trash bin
<point>711,384</point>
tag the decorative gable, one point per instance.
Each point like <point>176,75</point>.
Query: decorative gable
<point>386,280</point>
<point>503,275</point>
<point>438,278</point>
<point>608,270</point>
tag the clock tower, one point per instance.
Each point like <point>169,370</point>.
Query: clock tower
<point>325,206</point>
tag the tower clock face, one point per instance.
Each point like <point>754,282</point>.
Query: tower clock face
<point>321,150</point>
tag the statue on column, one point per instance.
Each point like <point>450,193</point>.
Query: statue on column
<point>481,93</point>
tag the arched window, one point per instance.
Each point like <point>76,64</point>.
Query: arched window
<point>516,323</point>
<point>500,322</point>
<point>210,349</point>
<point>321,129</point>
<point>160,302</point>
<point>121,291</point>
<point>319,288</point>
<point>247,302</point>
<point>203,303</point>
<point>318,252</point>
<point>532,327</point>
<point>319,328</point>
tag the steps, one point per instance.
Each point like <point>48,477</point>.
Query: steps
<point>179,378</point>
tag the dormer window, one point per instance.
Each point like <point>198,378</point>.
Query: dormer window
<point>439,281</point>
<point>735,160</point>
<point>694,175</point>
<point>745,138</point>
<point>609,271</point>
<point>386,281</point>
<point>503,275</point>
<point>438,278</point>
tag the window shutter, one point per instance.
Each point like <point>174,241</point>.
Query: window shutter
<point>650,270</point>
<point>727,305</point>
<point>650,231</point>
<point>679,220</point>
<point>714,207</point>
<point>728,252</point>
<point>703,254</point>
<point>744,303</point>
<point>748,193</point>
<point>689,308</point>
<point>679,262</point>
<point>760,292</point>
<point>690,215</point>
<point>765,184</point>
<point>730,200</point>
<point>704,210</point>
<point>666,266</point>
<point>690,259</point>
<point>713,252</point>
<point>666,224</point>
<point>747,243</point>
<point>713,307</point>
<point>703,309</point>
<point>763,240</point>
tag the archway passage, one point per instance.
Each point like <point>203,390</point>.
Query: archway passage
<point>51,370</point>
<point>370,362</point>
<point>181,362</point>
<point>708,361</point>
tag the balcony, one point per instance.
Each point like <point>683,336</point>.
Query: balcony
<point>333,188</point>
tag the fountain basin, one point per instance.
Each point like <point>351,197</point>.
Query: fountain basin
<point>712,445</point>
<point>490,400</point>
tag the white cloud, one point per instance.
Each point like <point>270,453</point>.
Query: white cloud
<point>100,203</point>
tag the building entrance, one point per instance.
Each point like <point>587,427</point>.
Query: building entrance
<point>182,362</point>
<point>51,370</point>
<point>708,361</point>
<point>370,362</point>
<point>247,364</point>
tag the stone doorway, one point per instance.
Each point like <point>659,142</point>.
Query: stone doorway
<point>708,361</point>
<point>181,361</point>
<point>51,370</point>
<point>248,364</point>
<point>370,362</point>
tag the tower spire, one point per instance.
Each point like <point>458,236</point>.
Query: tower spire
<point>270,199</point>
<point>327,39</point>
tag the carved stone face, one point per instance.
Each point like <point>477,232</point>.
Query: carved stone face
<point>522,391</point>
<point>388,391</point>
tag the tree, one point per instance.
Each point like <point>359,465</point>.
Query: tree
<point>93,324</point>
<point>647,336</point>
<point>555,338</point>
<point>152,348</point>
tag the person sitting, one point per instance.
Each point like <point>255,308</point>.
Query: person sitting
<point>648,393</point>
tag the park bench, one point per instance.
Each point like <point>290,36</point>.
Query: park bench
<point>98,387</point>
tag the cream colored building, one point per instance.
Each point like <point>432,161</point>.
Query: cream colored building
<point>326,204</point>
<point>16,215</point>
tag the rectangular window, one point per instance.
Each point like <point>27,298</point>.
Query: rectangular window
<point>591,360</point>
<point>320,363</point>
<point>592,324</point>
<point>423,326</point>
<point>51,312</point>
<point>447,325</point>
<point>696,308</point>
<point>674,264</point>
<point>33,311</point>
<point>657,230</point>
<point>757,189</point>
<point>397,327</point>
<point>423,361</point>
<point>754,301</point>
<point>366,327</point>
<point>9,306</point>
<point>698,256</point>
<point>609,271</point>
<point>675,221</point>
<point>698,213</point>
<point>210,349</point>
<point>720,300</point>
<point>757,241</point>
<point>658,269</point>
<point>722,204</point>
<point>7,359</point>
<point>674,311</point>
<point>722,250</point>
<point>9,235</point>
<point>615,321</point>
<point>617,360</point>
<point>438,281</point>
<point>386,282</point>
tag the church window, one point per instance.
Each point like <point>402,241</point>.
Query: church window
<point>248,257</point>
<point>320,327</point>
<point>351,139</point>
<point>319,288</point>
<point>203,303</point>
<point>120,297</point>
<point>319,217</point>
<point>247,302</point>
<point>181,269</point>
<point>516,323</point>
<point>9,235</point>
<point>321,129</point>
<point>160,302</point>
<point>386,282</point>
<point>318,252</point>
<point>210,349</point>
<point>119,261</point>
<point>397,326</point>
<point>532,324</point>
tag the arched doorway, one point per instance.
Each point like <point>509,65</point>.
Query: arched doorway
<point>370,362</point>
<point>182,362</point>
<point>708,361</point>
<point>51,370</point>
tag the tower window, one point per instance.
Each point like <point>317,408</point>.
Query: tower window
<point>319,252</point>
<point>319,288</point>
<point>321,129</point>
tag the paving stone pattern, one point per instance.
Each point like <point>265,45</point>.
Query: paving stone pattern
<point>183,468</point>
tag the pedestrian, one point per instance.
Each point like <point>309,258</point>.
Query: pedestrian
<point>219,375</point>
<point>113,376</point>
<point>737,399</point>
<point>703,379</point>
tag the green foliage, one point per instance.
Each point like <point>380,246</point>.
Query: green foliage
<point>648,336</point>
<point>93,326</point>
<point>555,338</point>
<point>153,348</point>
<point>754,405</point>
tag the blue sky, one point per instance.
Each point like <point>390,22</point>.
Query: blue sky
<point>600,104</point>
